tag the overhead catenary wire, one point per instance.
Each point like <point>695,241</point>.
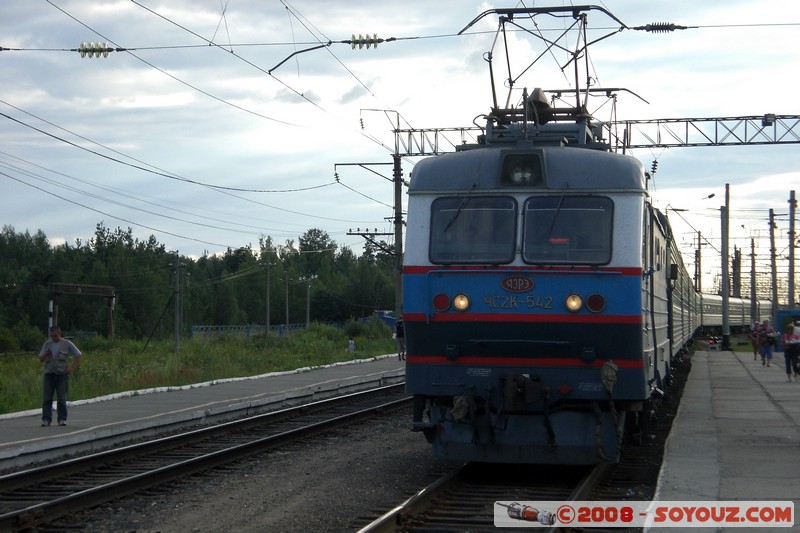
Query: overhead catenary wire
<point>234,54</point>
<point>222,189</point>
<point>115,217</point>
<point>142,168</point>
<point>210,43</point>
<point>179,80</point>
<point>152,169</point>
<point>353,42</point>
<point>229,44</point>
<point>61,186</point>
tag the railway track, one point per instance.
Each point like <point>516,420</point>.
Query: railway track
<point>39,496</point>
<point>464,500</point>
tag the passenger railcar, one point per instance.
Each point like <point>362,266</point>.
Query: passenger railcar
<point>685,316</point>
<point>540,297</point>
<point>739,313</point>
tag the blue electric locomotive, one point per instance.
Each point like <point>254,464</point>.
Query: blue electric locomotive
<point>538,294</point>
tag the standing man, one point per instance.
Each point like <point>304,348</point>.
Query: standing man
<point>55,355</point>
<point>400,339</point>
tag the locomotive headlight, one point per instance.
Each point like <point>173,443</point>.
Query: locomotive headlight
<point>574,303</point>
<point>523,169</point>
<point>521,175</point>
<point>461,302</point>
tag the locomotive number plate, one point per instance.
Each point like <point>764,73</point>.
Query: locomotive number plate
<point>517,284</point>
<point>513,301</point>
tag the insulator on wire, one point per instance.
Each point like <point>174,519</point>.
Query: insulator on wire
<point>654,167</point>
<point>661,27</point>
<point>365,41</point>
<point>94,49</point>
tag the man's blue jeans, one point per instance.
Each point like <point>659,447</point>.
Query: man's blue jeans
<point>54,384</point>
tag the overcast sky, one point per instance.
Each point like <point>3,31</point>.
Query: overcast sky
<point>211,146</point>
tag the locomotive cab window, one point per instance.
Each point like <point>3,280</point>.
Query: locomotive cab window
<point>473,229</point>
<point>568,230</point>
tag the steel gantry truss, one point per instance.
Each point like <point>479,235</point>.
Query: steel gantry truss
<point>627,134</point>
<point>720,131</point>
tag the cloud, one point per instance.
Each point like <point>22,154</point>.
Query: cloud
<point>214,115</point>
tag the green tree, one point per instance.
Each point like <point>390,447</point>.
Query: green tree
<point>218,289</point>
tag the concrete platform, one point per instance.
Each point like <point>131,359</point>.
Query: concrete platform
<point>736,435</point>
<point>100,422</point>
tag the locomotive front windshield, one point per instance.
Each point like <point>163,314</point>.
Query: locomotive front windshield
<point>567,229</point>
<point>473,229</point>
<point>556,230</point>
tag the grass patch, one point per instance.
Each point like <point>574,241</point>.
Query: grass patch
<point>115,366</point>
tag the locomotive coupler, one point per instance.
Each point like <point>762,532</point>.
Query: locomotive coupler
<point>521,392</point>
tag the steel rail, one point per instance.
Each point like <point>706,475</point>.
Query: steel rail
<point>33,514</point>
<point>450,501</point>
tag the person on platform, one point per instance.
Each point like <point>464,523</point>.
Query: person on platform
<point>754,339</point>
<point>767,338</point>
<point>400,339</point>
<point>791,351</point>
<point>56,354</point>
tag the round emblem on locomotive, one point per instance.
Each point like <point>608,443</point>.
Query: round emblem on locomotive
<point>517,284</point>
